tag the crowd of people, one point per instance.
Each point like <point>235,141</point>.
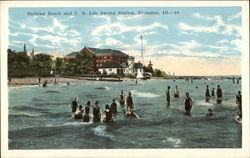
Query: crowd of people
<point>109,112</point>
<point>187,102</point>
<point>127,104</point>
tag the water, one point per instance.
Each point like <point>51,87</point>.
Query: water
<point>40,118</point>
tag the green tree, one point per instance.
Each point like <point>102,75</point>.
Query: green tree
<point>18,63</point>
<point>84,63</point>
<point>42,64</point>
<point>58,65</point>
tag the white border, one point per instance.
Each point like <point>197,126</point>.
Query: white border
<point>227,153</point>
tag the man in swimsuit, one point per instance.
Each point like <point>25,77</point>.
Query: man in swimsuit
<point>86,112</point>
<point>212,92</point>
<point>113,107</point>
<point>74,105</point>
<point>187,104</point>
<point>239,104</point>
<point>130,102</point>
<point>168,96</point>
<point>219,95</point>
<point>122,98</point>
<point>96,112</point>
<point>207,94</point>
<point>108,113</point>
<point>176,92</point>
<point>79,113</point>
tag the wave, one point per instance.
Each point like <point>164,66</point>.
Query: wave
<point>51,92</point>
<point>24,114</point>
<point>174,141</point>
<point>103,88</point>
<point>144,94</point>
<point>27,108</point>
<point>101,131</point>
<point>203,103</point>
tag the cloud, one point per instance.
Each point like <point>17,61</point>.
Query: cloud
<point>199,16</point>
<point>120,28</point>
<point>235,16</point>
<point>219,27</point>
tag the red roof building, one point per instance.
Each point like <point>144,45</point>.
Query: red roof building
<point>101,56</point>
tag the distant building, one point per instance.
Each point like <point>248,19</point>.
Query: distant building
<point>112,68</point>
<point>101,56</point>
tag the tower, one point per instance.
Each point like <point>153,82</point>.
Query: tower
<point>24,47</point>
<point>142,61</point>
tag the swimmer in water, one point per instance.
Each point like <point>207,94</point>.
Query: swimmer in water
<point>168,96</point>
<point>79,113</point>
<point>187,104</point>
<point>176,92</point>
<point>108,113</point>
<point>210,112</point>
<point>86,112</point>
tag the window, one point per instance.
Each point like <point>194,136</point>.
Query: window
<point>110,69</point>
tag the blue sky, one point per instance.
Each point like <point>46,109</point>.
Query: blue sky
<point>206,35</point>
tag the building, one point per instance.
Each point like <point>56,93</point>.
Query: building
<point>110,68</point>
<point>101,56</point>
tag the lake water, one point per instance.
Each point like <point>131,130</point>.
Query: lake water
<point>40,118</point>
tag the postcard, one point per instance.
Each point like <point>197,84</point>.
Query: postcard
<point>125,79</point>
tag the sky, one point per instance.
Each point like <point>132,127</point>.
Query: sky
<point>177,40</point>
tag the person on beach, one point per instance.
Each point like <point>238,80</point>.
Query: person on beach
<point>187,104</point>
<point>86,112</point>
<point>176,92</point>
<point>239,104</point>
<point>68,83</point>
<point>122,98</point>
<point>108,115</point>
<point>219,94</point>
<point>210,112</point>
<point>79,113</point>
<point>74,105</point>
<point>96,112</point>
<point>113,107</point>
<point>39,80</point>
<point>212,92</point>
<point>168,96</point>
<point>207,94</point>
<point>130,102</point>
<point>55,81</point>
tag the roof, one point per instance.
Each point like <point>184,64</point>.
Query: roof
<point>111,65</point>
<point>138,65</point>
<point>107,52</point>
<point>73,54</point>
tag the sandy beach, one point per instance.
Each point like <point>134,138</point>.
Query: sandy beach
<point>26,81</point>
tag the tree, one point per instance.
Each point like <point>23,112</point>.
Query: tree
<point>18,63</point>
<point>58,65</point>
<point>42,64</point>
<point>84,63</point>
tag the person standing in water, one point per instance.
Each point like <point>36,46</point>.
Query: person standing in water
<point>96,112</point>
<point>187,104</point>
<point>176,92</point>
<point>86,112</point>
<point>108,115</point>
<point>168,96</point>
<point>207,94</point>
<point>74,105</point>
<point>212,92</point>
<point>113,107</point>
<point>219,94</point>
<point>122,98</point>
<point>239,104</point>
<point>210,112</point>
<point>130,102</point>
<point>79,113</point>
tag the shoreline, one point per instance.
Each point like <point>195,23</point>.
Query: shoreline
<point>33,81</point>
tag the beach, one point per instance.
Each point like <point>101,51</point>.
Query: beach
<point>29,81</point>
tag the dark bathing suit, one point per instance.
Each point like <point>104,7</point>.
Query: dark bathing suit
<point>188,105</point>
<point>108,117</point>
<point>96,114</point>
<point>86,115</point>
<point>130,102</point>
<point>121,99</point>
<point>74,106</point>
